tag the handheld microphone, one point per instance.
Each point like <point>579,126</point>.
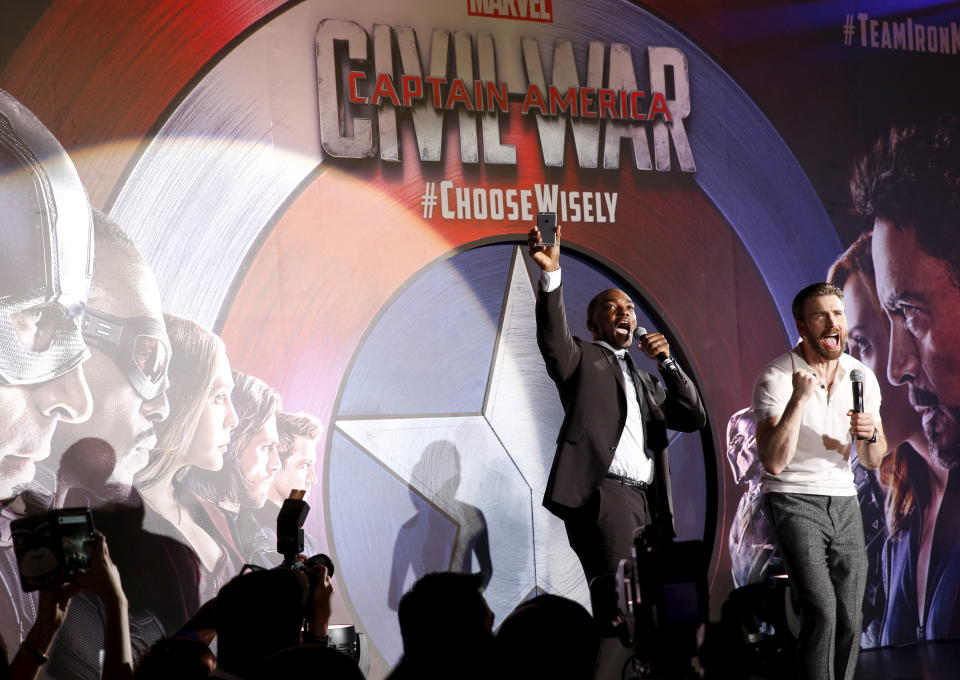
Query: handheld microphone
<point>856,382</point>
<point>662,359</point>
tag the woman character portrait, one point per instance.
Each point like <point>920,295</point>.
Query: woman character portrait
<point>195,435</point>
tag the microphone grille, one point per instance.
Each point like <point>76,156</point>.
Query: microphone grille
<point>639,333</point>
<point>856,375</point>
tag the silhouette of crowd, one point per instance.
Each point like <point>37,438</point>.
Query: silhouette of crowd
<point>270,623</point>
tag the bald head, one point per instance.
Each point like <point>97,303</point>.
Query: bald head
<point>600,297</point>
<point>122,283</point>
<point>123,290</point>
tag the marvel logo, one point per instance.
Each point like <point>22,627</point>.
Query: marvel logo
<point>527,10</point>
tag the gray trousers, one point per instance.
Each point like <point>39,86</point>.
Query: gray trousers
<point>821,540</point>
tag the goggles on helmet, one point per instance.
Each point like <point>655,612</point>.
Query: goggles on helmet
<point>47,255</point>
<point>138,346</point>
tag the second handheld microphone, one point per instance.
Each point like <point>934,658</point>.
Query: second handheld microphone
<point>663,360</point>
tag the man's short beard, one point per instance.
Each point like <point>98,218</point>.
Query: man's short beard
<point>947,457</point>
<point>118,492</point>
<point>819,350</point>
<point>947,454</point>
<point>832,356</point>
<point>248,498</point>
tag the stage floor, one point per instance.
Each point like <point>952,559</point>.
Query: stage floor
<point>929,661</point>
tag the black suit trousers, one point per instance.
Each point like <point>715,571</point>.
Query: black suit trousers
<point>601,534</point>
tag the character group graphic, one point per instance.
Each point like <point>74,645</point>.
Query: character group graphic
<point>108,403</point>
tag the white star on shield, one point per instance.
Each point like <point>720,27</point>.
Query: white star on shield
<point>487,471</point>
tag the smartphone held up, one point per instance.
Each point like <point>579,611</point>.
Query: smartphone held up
<point>51,547</point>
<point>547,224</point>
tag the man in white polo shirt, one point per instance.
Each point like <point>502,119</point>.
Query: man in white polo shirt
<point>807,429</point>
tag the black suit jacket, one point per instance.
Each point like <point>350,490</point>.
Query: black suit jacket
<point>590,382</point>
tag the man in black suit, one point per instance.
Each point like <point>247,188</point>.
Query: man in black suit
<point>610,473</point>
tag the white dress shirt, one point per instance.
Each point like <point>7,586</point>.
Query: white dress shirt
<point>629,460</point>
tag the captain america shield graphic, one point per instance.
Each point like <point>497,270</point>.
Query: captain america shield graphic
<point>448,397</point>
<point>409,334</point>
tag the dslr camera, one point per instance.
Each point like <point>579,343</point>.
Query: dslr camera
<point>293,513</point>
